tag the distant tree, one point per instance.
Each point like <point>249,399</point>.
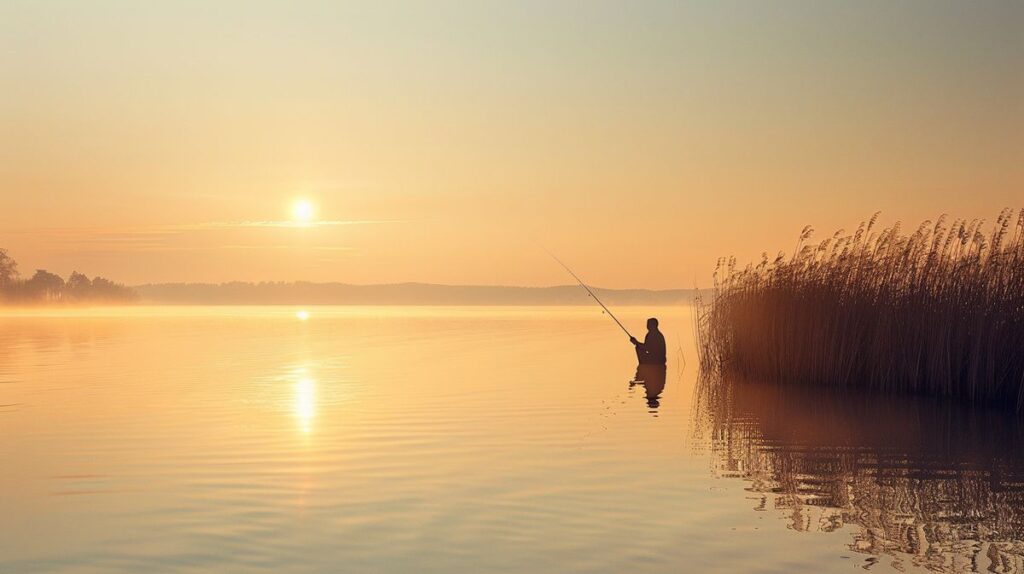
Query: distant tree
<point>44,286</point>
<point>78,287</point>
<point>8,269</point>
<point>106,290</point>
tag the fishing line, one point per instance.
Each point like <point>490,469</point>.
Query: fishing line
<point>612,406</point>
<point>591,293</point>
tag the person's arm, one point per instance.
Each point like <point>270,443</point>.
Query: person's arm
<point>641,348</point>
<point>650,345</point>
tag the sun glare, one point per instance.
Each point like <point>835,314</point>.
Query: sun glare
<point>302,315</point>
<point>302,211</point>
<point>305,402</point>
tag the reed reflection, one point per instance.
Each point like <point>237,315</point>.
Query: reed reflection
<point>926,482</point>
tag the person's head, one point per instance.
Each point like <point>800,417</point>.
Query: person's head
<point>652,324</point>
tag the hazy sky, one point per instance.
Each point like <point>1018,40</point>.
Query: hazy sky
<point>454,141</point>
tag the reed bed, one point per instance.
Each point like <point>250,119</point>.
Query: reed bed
<point>939,311</point>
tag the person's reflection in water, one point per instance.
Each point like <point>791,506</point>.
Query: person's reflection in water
<point>652,377</point>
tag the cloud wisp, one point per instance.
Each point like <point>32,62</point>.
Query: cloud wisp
<point>285,224</point>
<point>206,236</point>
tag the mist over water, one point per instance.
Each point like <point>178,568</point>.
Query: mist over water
<point>441,439</point>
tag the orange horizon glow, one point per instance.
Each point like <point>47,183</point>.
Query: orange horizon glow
<point>455,143</point>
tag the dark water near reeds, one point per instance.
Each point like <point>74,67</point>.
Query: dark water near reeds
<point>465,439</point>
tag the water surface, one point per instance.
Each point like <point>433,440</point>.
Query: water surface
<point>459,439</point>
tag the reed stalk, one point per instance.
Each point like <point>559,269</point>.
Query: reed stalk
<point>939,311</point>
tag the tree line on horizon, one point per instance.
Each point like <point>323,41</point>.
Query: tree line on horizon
<point>46,287</point>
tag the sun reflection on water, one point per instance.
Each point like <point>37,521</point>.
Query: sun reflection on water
<point>305,403</point>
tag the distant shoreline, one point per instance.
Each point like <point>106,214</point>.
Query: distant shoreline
<point>306,293</point>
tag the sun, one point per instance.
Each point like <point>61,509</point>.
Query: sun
<point>302,211</point>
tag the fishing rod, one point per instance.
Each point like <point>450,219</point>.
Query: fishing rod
<point>584,285</point>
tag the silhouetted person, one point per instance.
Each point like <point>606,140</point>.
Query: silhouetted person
<point>652,350</point>
<point>652,377</point>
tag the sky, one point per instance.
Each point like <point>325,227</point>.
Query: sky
<point>456,142</point>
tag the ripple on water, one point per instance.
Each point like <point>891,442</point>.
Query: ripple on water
<point>491,440</point>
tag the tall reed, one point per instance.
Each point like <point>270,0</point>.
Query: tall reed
<point>939,311</point>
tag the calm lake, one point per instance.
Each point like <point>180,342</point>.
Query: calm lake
<point>413,439</point>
